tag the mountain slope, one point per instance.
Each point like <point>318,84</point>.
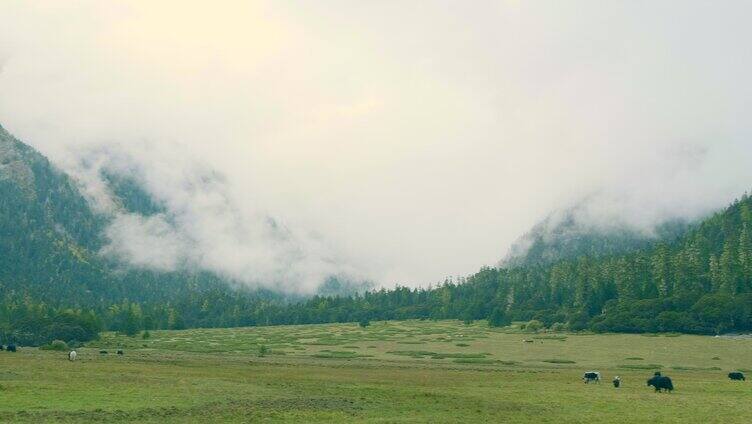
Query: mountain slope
<point>696,279</point>
<point>700,282</point>
<point>570,234</point>
<point>51,240</point>
<point>47,231</point>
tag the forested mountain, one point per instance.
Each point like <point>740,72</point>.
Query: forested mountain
<point>50,238</point>
<point>570,234</point>
<point>700,282</point>
<point>54,283</point>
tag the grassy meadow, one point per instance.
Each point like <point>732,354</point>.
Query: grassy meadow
<point>413,371</point>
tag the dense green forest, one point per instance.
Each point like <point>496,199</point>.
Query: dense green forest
<point>573,232</point>
<point>700,283</point>
<point>53,284</point>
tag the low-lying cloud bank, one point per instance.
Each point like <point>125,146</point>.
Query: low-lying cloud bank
<point>199,226</point>
<point>400,142</point>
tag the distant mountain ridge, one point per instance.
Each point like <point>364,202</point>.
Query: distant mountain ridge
<point>570,275</point>
<point>697,282</point>
<point>567,234</point>
<point>51,239</point>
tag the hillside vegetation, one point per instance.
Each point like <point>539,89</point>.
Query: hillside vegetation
<point>700,282</point>
<point>55,283</point>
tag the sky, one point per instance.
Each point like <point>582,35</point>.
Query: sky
<point>400,142</point>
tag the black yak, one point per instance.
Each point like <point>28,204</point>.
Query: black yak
<point>591,376</point>
<point>11,348</point>
<point>736,375</point>
<point>661,383</point>
<point>120,351</point>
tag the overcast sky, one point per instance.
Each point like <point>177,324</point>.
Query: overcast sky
<point>401,141</point>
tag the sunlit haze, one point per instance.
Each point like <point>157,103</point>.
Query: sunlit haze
<point>400,142</point>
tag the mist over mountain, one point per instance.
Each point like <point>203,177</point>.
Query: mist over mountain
<point>106,252</point>
<point>63,245</point>
<point>577,231</point>
<point>419,148</point>
<point>78,256</point>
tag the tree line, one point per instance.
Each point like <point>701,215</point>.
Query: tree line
<point>53,284</point>
<point>699,283</point>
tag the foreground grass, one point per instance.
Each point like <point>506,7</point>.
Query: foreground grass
<point>415,371</point>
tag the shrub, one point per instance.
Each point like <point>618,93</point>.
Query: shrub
<point>497,318</point>
<point>558,326</point>
<point>57,345</point>
<point>262,350</point>
<point>641,367</point>
<point>559,361</point>
<point>534,326</point>
<point>145,334</point>
<point>474,361</point>
<point>365,322</point>
<point>578,321</point>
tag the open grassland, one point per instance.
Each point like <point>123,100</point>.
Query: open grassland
<point>414,371</point>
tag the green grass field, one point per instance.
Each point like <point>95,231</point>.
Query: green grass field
<point>414,371</point>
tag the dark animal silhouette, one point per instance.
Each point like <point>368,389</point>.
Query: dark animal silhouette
<point>616,381</point>
<point>11,348</point>
<point>103,352</point>
<point>661,383</point>
<point>120,351</point>
<point>591,376</point>
<point>1,347</point>
<point>736,375</point>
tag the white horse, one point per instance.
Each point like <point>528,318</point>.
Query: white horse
<point>72,355</point>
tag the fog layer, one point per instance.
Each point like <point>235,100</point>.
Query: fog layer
<point>396,141</point>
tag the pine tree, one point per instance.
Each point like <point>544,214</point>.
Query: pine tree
<point>728,268</point>
<point>497,318</point>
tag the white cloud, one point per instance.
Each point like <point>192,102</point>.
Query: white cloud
<point>401,141</point>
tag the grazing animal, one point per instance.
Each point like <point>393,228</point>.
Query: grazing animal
<point>11,347</point>
<point>591,376</point>
<point>1,347</point>
<point>616,381</point>
<point>72,355</point>
<point>528,341</point>
<point>736,375</point>
<point>661,383</point>
<point>120,351</point>
<point>103,352</point>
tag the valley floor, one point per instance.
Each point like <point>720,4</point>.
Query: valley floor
<point>402,372</point>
